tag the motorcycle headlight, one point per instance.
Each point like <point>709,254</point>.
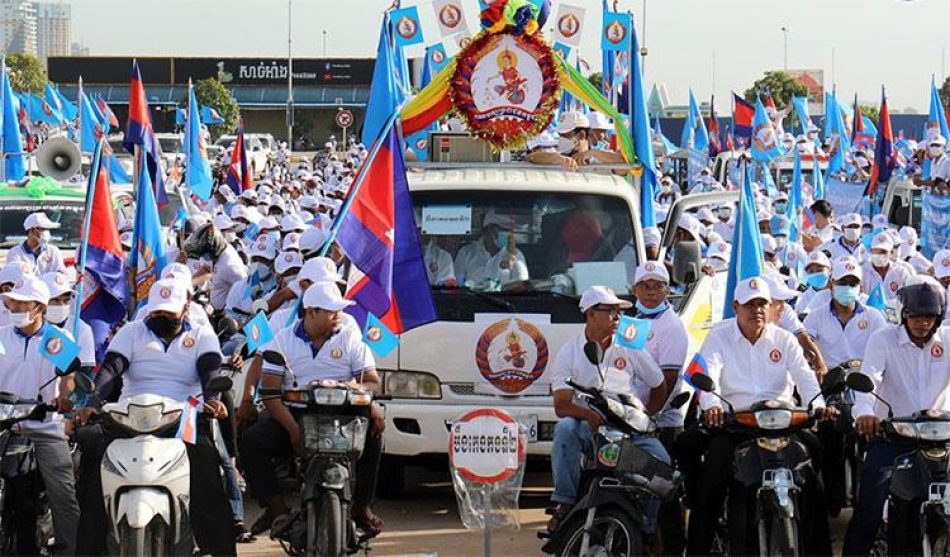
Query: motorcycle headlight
<point>329,397</point>
<point>146,419</point>
<point>934,431</point>
<point>773,419</point>
<point>411,384</point>
<point>905,429</point>
<point>10,411</point>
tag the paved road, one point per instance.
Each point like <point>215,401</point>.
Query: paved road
<point>426,522</point>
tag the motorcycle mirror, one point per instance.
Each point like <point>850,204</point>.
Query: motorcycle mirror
<point>703,382</point>
<point>277,359</point>
<point>857,381</point>
<point>834,382</point>
<point>220,384</point>
<point>593,351</point>
<point>243,351</point>
<point>227,327</point>
<point>679,400</point>
<point>85,383</point>
<point>8,398</point>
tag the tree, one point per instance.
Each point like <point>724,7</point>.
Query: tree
<point>872,112</point>
<point>26,73</point>
<point>597,80</point>
<point>210,92</point>
<point>782,87</point>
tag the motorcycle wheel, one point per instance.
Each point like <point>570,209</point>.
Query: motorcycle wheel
<point>325,526</point>
<point>613,534</point>
<point>941,546</point>
<point>783,537</point>
<point>149,541</point>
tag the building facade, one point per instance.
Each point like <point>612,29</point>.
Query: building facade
<point>18,27</point>
<point>53,29</point>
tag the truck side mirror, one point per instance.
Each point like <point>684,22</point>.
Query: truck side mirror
<point>687,262</point>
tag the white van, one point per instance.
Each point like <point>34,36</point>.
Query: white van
<point>493,346</point>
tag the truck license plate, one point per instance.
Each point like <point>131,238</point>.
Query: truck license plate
<point>530,423</point>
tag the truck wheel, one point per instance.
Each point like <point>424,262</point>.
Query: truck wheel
<point>391,482</point>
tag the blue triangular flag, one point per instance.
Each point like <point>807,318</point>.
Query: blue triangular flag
<point>876,299</point>
<point>257,332</point>
<point>378,337</point>
<point>57,347</point>
<point>252,283</point>
<point>632,333</point>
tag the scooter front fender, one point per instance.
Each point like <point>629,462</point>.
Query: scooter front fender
<point>139,506</point>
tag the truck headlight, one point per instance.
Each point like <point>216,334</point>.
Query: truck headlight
<point>411,384</point>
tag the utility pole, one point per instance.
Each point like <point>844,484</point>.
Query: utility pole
<point>785,33</point>
<point>290,76</point>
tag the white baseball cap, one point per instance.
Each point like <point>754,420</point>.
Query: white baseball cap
<point>313,239</point>
<point>651,237</point>
<point>543,140</point>
<point>16,270</point>
<point>942,263</point>
<point>598,121</point>
<point>223,222</point>
<point>29,288</point>
<point>692,225</point>
<point>720,250</point>
<point>39,220</point>
<point>264,246</point>
<point>818,257</point>
<point>324,295</point>
<point>651,270</point>
<point>291,242</point>
<point>167,295</point>
<point>286,261</point>
<point>845,266</point>
<point>292,223</point>
<point>769,245</point>
<point>755,288</point>
<point>882,241</point>
<point>880,221</point>
<point>320,269</point>
<point>57,283</point>
<point>571,120</point>
<point>180,272</point>
<point>596,295</point>
<point>850,219</point>
<point>777,287</point>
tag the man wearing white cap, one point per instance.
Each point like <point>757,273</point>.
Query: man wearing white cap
<point>750,360</point>
<point>10,275</point>
<point>22,372</point>
<point>542,149</point>
<point>849,243</point>
<point>317,347</point>
<point>816,279</point>
<point>623,371</point>
<point>882,269</point>
<point>940,162</point>
<point>909,253</point>
<point>37,249</point>
<point>163,355</point>
<point>484,259</point>
<point>724,225</point>
<point>61,312</point>
<point>251,293</point>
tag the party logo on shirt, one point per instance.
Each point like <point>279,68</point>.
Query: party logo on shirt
<point>620,363</point>
<point>188,342</point>
<point>511,354</point>
<point>433,267</point>
<point>336,353</point>
<point>893,286</point>
<point>775,355</point>
<point>863,324</point>
<point>936,350</point>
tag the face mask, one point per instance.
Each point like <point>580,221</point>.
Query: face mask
<point>262,269</point>
<point>57,314</point>
<point>936,151</point>
<point>44,237</point>
<point>846,295</point>
<point>275,234</point>
<point>817,280</point>
<point>163,326</point>
<point>18,319</point>
<point>852,234</point>
<point>780,207</point>
<point>880,260</point>
<point>667,188</point>
<point>502,239</point>
<point>565,145</point>
<point>642,309</point>
<point>781,242</point>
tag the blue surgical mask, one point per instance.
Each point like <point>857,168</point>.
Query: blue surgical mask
<point>643,310</point>
<point>846,295</point>
<point>817,280</point>
<point>502,239</point>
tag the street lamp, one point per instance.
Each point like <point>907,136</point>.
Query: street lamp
<point>324,43</point>
<point>290,76</point>
<point>785,33</point>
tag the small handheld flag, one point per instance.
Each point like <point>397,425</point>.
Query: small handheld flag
<point>632,333</point>
<point>58,348</point>
<point>697,366</point>
<point>253,282</point>
<point>258,332</point>
<point>876,299</point>
<point>378,337</point>
<point>188,426</point>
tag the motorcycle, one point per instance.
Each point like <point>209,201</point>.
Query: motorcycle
<point>770,469</point>
<point>146,474</point>
<point>844,491</point>
<point>334,419</point>
<point>616,480</point>
<point>922,475</point>
<point>26,526</point>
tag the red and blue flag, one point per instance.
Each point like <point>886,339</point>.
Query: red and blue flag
<point>239,179</point>
<point>715,143</point>
<point>377,231</point>
<point>139,131</point>
<point>697,366</point>
<point>107,115</point>
<point>742,116</point>
<point>884,156</point>
<point>188,426</point>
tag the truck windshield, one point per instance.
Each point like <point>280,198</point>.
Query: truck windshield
<point>520,243</point>
<point>69,214</point>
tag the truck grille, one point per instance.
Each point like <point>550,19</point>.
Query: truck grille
<point>468,389</point>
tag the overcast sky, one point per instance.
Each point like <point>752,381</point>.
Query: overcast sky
<point>898,43</point>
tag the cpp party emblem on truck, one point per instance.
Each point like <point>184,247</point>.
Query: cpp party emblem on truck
<point>511,354</point>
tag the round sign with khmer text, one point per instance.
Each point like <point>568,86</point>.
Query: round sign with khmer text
<point>486,446</point>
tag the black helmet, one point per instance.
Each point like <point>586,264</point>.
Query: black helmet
<point>923,298</point>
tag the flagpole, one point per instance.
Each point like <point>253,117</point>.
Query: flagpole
<point>84,242</point>
<point>3,100</point>
<point>360,177</point>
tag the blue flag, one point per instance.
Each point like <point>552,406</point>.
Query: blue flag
<point>90,126</point>
<point>818,188</point>
<point>14,167</point>
<point>253,282</point>
<point>615,34</point>
<point>57,347</point>
<point>408,30</point>
<point>147,258</point>
<point>385,94</point>
<point>42,111</point>
<point>198,170</point>
<point>837,134</point>
<point>746,261</point>
<point>640,132</point>
<point>378,337</point>
<point>801,110</point>
<point>66,107</point>
<point>257,332</point>
<point>436,58</point>
<point>181,116</point>
<point>632,332</point>
<point>694,132</point>
<point>210,116</point>
<point>250,234</point>
<point>795,202</point>
<point>765,145</point>
<point>876,298</point>
<point>938,117</point>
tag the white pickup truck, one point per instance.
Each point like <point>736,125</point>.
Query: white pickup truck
<point>495,347</point>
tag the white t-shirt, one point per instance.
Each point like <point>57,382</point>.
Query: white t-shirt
<point>342,357</point>
<point>624,370</point>
<point>157,369</point>
<point>228,269</point>
<point>668,343</point>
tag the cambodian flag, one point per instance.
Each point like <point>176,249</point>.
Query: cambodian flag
<point>106,112</point>
<point>742,115</point>
<point>715,143</point>
<point>239,179</point>
<point>101,257</point>
<point>139,131</point>
<point>377,231</point>
<point>884,159</point>
<point>697,366</point>
<point>198,170</point>
<point>188,426</point>
<point>147,257</point>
